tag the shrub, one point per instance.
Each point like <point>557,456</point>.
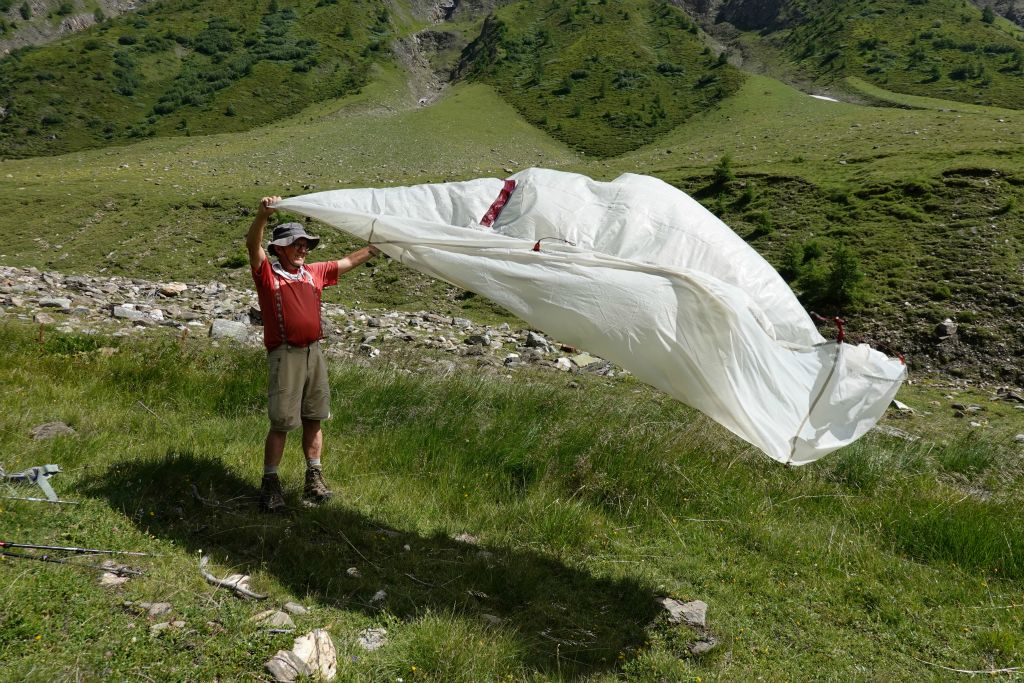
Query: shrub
<point>844,277</point>
<point>792,261</point>
<point>25,10</point>
<point>723,173</point>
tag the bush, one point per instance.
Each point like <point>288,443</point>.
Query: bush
<point>25,10</point>
<point>723,173</point>
<point>844,277</point>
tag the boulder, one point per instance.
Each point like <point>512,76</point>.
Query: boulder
<point>228,329</point>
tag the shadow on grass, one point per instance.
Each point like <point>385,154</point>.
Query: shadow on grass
<point>566,620</point>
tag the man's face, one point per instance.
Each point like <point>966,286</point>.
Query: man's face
<point>295,253</point>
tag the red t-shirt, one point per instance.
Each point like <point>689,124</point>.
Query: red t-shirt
<point>292,304</point>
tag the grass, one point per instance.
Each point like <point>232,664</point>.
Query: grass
<point>588,501</point>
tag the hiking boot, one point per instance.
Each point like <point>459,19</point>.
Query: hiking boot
<point>271,494</point>
<point>315,490</point>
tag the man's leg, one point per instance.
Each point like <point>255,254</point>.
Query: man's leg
<point>312,440</point>
<point>315,489</point>
<point>273,450</point>
<point>283,410</point>
<point>316,406</point>
<point>271,492</point>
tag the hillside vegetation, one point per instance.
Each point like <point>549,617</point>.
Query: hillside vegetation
<point>941,48</point>
<point>185,67</point>
<point>603,77</point>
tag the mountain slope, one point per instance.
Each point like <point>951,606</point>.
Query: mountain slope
<point>185,67</point>
<point>603,77</point>
<point>942,48</point>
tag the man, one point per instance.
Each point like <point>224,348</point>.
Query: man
<point>298,395</point>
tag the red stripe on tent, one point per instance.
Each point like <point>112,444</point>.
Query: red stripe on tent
<point>499,204</point>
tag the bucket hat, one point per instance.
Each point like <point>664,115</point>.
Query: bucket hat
<point>286,233</point>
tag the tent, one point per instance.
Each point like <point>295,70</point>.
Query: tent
<point>641,274</point>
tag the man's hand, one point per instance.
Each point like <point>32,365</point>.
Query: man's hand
<point>265,208</point>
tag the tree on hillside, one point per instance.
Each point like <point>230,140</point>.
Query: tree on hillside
<point>25,10</point>
<point>987,15</point>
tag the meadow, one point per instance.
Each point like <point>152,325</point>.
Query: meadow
<point>589,496</point>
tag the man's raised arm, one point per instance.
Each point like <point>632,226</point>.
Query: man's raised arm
<point>254,238</point>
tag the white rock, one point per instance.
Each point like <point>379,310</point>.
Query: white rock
<point>229,329</point>
<point>372,639</point>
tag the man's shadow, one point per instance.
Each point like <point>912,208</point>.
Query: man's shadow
<point>566,619</point>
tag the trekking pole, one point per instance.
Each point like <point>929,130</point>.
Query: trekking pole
<point>72,549</point>
<point>119,571</point>
<point>43,500</point>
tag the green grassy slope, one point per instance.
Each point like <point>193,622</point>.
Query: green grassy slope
<point>185,67</point>
<point>603,77</point>
<point>943,48</point>
<point>588,499</point>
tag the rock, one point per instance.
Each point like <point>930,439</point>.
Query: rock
<point>43,319</point>
<point>55,302</point>
<point>564,364</point>
<point>128,312</point>
<point>512,359</point>
<point>354,572</point>
<point>947,328</point>
<point>466,538</point>
<point>478,340</point>
<point>111,579</point>
<point>255,315</point>
<point>295,608</point>
<point>491,619</point>
<point>157,629</point>
<point>274,618</point>
<point>896,432</point>
<point>690,613</point>
<point>156,609</point>
<point>462,323</point>
<point>228,329</point>
<point>584,361</point>
<point>703,646</point>
<point>285,666</point>
<point>379,597</point>
<point>172,289</point>
<point>371,639</point>
<point>902,407</point>
<point>312,655</point>
<point>536,341</point>
<point>49,430</point>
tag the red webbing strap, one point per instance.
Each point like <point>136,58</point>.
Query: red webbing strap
<point>498,204</point>
<point>279,305</point>
<point>839,322</point>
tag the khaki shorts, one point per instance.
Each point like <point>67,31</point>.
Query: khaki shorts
<point>297,386</point>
